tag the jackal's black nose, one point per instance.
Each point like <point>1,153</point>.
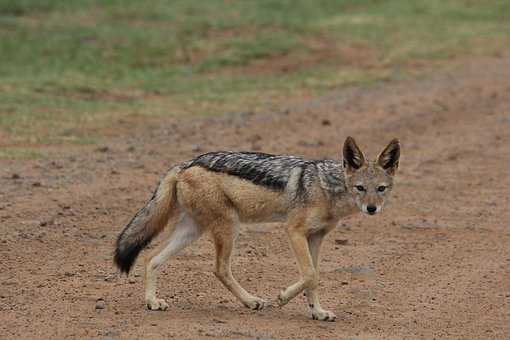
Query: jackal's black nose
<point>371,209</point>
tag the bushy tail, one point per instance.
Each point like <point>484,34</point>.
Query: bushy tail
<point>147,223</point>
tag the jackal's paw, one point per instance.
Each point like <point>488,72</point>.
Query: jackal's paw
<point>281,300</point>
<point>323,315</point>
<point>255,303</point>
<point>157,304</point>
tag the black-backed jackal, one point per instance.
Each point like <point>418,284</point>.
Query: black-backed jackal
<point>217,191</point>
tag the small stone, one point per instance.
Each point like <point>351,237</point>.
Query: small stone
<point>15,176</point>
<point>103,149</point>
<point>344,283</point>
<point>356,270</point>
<point>56,165</point>
<point>111,334</point>
<point>342,242</point>
<point>196,148</point>
<point>132,280</point>
<point>100,303</point>
<point>36,184</point>
<point>255,138</point>
<point>326,122</point>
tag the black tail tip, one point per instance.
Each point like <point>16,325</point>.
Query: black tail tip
<point>124,260</point>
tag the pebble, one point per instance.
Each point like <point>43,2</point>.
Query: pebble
<point>111,334</point>
<point>341,242</point>
<point>100,303</point>
<point>103,149</point>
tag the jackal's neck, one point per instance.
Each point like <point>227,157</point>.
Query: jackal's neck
<point>331,176</point>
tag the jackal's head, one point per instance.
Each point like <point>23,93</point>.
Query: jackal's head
<point>370,183</point>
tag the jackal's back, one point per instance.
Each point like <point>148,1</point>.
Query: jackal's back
<point>271,171</point>
<point>275,172</point>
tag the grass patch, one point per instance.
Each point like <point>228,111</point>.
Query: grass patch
<point>70,66</point>
<point>24,153</point>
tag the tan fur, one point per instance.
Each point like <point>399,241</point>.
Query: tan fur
<point>164,203</point>
<point>214,202</point>
<point>217,192</point>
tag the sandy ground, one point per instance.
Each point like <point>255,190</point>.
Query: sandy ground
<point>435,264</point>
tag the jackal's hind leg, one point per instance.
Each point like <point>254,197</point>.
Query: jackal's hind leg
<point>185,232</point>
<point>224,239</point>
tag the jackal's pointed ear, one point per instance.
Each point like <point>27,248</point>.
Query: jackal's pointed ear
<point>388,158</point>
<point>353,157</point>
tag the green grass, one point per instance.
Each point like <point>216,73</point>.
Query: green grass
<point>21,153</point>
<point>67,67</point>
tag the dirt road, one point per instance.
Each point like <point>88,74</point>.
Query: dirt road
<point>435,264</point>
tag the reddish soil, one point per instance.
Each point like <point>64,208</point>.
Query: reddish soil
<point>435,264</point>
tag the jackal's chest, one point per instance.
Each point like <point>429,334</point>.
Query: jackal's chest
<point>343,207</point>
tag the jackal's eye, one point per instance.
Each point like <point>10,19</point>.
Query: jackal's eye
<point>381,188</point>
<point>360,188</point>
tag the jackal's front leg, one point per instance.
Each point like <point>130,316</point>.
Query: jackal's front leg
<point>309,278</point>
<point>306,252</point>
<point>314,243</point>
